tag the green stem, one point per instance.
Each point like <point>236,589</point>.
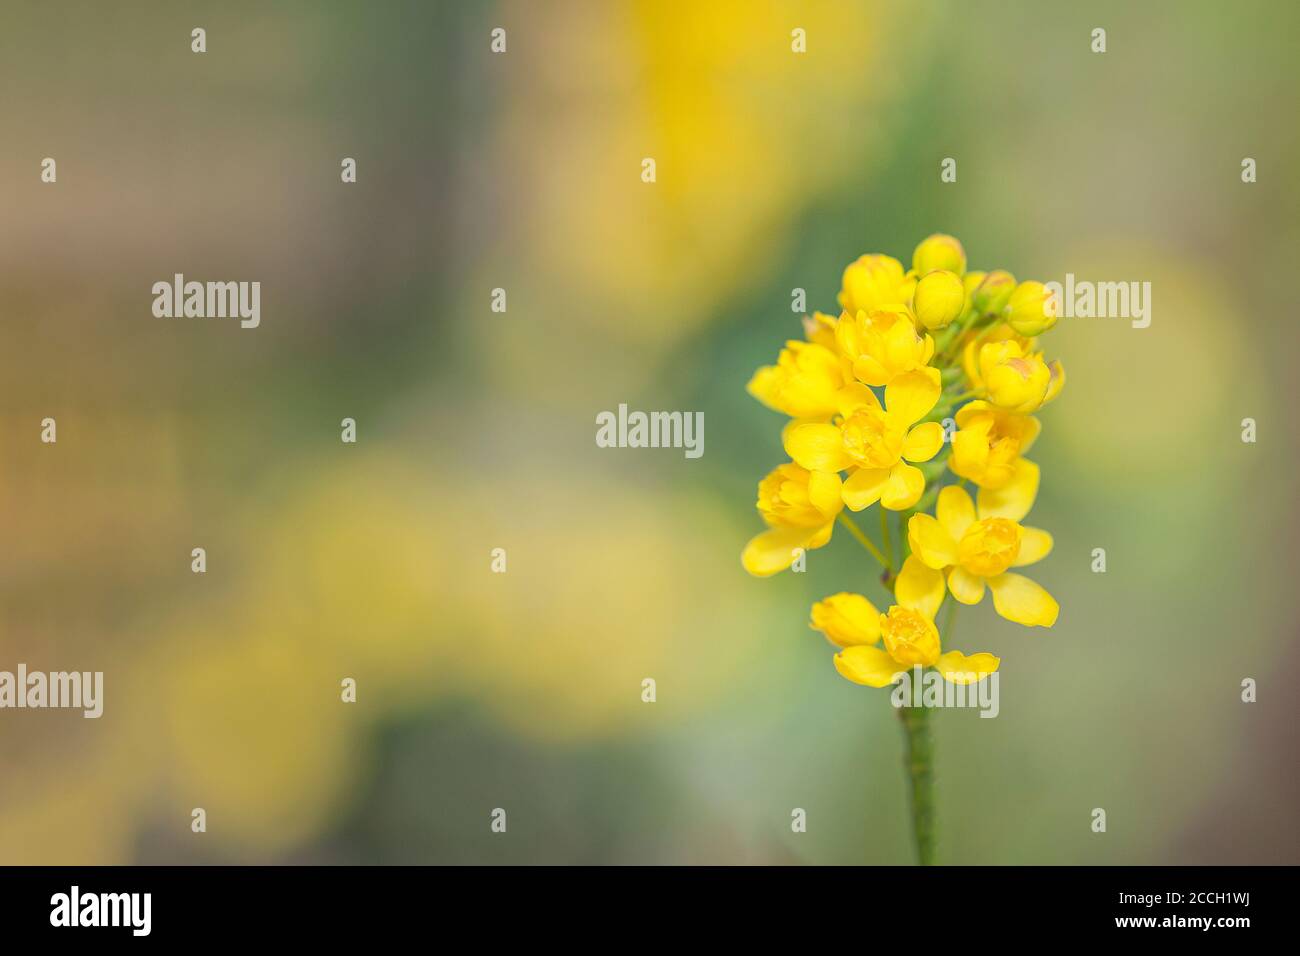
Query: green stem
<point>884,538</point>
<point>863,539</point>
<point>918,759</point>
<point>949,621</point>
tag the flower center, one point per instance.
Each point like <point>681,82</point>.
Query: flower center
<point>1003,449</point>
<point>870,440</point>
<point>989,546</point>
<point>910,637</point>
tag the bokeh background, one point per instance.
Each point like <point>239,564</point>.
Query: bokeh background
<point>523,690</point>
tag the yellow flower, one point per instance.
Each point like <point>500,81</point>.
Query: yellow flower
<point>846,619</point>
<point>939,252</point>
<point>910,636</point>
<point>806,376</point>
<point>989,442</point>
<point>939,299</point>
<point>819,328</point>
<point>1032,309</point>
<point>799,507</point>
<point>973,343</point>
<point>874,282</point>
<point>978,550</point>
<point>882,345</point>
<point>1015,378</point>
<point>910,640</point>
<point>802,383</point>
<point>875,442</point>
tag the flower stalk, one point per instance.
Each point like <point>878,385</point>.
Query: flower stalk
<point>918,761</point>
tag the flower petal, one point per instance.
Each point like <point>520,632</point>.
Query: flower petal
<point>1021,600</point>
<point>905,486</point>
<point>816,447</point>
<point>824,492</point>
<point>910,396</point>
<point>927,350</point>
<point>970,451</point>
<point>1014,499</point>
<point>773,550</point>
<point>864,664</point>
<point>765,385</point>
<point>930,543</point>
<point>923,442</point>
<point>1035,544</point>
<point>969,411</point>
<point>955,511</point>
<point>1032,427</point>
<point>867,369</point>
<point>919,587</point>
<point>863,487</point>
<point>957,668</point>
<point>820,536</point>
<point>852,397</point>
<point>965,587</point>
<point>846,619</point>
<point>1056,382</point>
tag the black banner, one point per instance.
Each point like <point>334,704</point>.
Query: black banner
<point>329,904</point>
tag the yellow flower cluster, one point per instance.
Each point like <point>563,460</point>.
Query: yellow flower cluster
<point>866,395</point>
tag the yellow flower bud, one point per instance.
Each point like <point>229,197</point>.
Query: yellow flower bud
<point>972,353</point>
<point>994,292</point>
<point>939,299</point>
<point>910,637</point>
<point>971,281</point>
<point>1018,383</point>
<point>939,252</point>
<point>846,619</point>
<point>1032,309</point>
<point>1016,379</point>
<point>874,282</point>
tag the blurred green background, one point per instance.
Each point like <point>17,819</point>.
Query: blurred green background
<point>522,171</point>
